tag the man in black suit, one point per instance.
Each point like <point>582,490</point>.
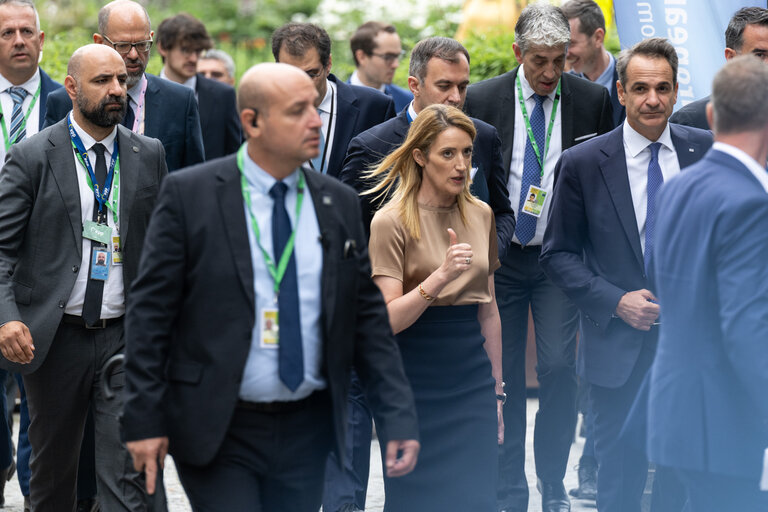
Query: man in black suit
<point>250,415</point>
<point>61,314</point>
<point>747,32</point>
<point>562,110</point>
<point>439,73</point>
<point>598,243</point>
<point>180,41</point>
<point>345,110</point>
<point>156,107</point>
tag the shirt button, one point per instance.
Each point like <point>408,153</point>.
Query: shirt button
<point>61,304</point>
<point>75,268</point>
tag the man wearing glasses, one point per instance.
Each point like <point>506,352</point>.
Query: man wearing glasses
<point>180,40</point>
<point>157,108</point>
<point>377,52</point>
<point>344,109</point>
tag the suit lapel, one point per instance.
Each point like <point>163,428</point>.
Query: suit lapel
<point>687,152</point>
<point>346,119</point>
<point>506,127</point>
<point>324,210</point>
<point>566,113</point>
<point>130,163</point>
<point>230,198</point>
<point>61,162</point>
<point>152,106</point>
<point>614,170</point>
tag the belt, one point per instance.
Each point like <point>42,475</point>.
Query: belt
<point>282,407</point>
<point>525,248</point>
<point>101,324</point>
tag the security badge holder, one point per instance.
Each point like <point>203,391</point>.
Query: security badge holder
<point>535,200</point>
<point>105,252</point>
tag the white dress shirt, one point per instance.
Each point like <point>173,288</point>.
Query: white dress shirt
<point>355,80</point>
<point>518,153</point>
<point>330,103</point>
<point>638,155</point>
<point>33,121</point>
<point>113,300</point>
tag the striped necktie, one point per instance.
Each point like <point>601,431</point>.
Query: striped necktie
<point>18,126</point>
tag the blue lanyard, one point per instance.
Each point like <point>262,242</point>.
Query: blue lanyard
<point>82,155</point>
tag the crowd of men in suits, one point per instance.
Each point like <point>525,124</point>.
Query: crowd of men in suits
<point>105,249</point>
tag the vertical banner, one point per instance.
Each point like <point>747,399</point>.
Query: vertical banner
<point>696,28</point>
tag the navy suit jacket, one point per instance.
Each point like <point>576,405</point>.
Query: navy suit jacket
<point>371,146</point>
<point>619,111</point>
<point>708,407</point>
<point>47,86</point>
<point>184,366</point>
<point>359,108</point>
<point>693,114</point>
<point>219,119</point>
<point>171,116</point>
<point>592,249</point>
<point>401,97</point>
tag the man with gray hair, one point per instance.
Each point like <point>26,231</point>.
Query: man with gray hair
<point>596,249</point>
<point>708,414</point>
<point>539,112</point>
<point>216,64</point>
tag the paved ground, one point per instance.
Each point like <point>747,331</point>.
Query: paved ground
<point>177,501</point>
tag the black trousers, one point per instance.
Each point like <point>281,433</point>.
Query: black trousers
<point>268,462</point>
<point>520,284</point>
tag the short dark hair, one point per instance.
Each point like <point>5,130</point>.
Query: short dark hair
<point>183,30</point>
<point>443,48</point>
<point>363,37</point>
<point>734,34</point>
<point>297,38</point>
<point>588,12</point>
<point>656,48</point>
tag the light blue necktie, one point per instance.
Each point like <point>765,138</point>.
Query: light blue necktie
<point>655,180</point>
<point>317,162</point>
<point>18,129</point>
<point>526,223</point>
<point>291,356</point>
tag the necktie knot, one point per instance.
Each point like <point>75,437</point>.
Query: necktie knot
<point>99,149</point>
<point>17,94</point>
<point>655,147</point>
<point>278,190</point>
<point>539,99</point>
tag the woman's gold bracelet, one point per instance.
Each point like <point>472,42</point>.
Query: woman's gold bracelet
<point>424,294</point>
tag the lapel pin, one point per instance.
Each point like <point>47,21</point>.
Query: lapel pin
<point>135,149</point>
<point>691,150</point>
<point>327,201</point>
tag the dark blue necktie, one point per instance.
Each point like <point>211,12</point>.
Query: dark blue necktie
<point>526,223</point>
<point>655,180</point>
<point>291,359</point>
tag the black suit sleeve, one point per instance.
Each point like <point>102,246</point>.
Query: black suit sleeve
<point>499,198</point>
<point>360,157</point>
<point>56,107</point>
<point>194,153</point>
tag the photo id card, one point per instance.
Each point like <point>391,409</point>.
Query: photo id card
<point>117,254</point>
<point>270,330</point>
<point>535,201</point>
<point>97,232</point>
<point>100,258</point>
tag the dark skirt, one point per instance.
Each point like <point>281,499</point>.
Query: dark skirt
<point>450,374</point>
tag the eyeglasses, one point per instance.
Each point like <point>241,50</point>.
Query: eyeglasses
<point>124,47</point>
<point>390,57</point>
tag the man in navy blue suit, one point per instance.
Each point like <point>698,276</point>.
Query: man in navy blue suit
<point>345,110</point>
<point>439,73</point>
<point>708,408</point>
<point>377,51</point>
<point>156,107</point>
<point>180,41</point>
<point>595,247</point>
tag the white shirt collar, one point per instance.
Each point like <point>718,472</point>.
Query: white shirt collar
<point>330,89</point>
<point>749,162</point>
<point>411,110</point>
<point>355,80</point>
<point>135,91</point>
<point>635,143</point>
<point>527,89</point>
<point>30,85</point>
<point>261,180</point>
<point>190,82</point>
<point>88,141</point>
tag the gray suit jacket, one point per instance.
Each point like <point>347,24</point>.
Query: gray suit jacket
<point>41,227</point>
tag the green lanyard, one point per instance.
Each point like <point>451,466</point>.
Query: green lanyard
<point>278,272</point>
<point>528,123</point>
<point>111,205</point>
<point>9,143</point>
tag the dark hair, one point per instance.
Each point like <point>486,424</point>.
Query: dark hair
<point>297,38</point>
<point>734,34</point>
<point>740,96</point>
<point>183,30</point>
<point>443,48</point>
<point>363,37</point>
<point>588,12</point>
<point>655,47</point>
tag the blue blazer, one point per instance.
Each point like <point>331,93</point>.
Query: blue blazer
<point>47,86</point>
<point>370,147</point>
<point>219,118</point>
<point>592,249</point>
<point>619,111</point>
<point>359,108</point>
<point>708,406</point>
<point>401,97</point>
<point>171,116</point>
